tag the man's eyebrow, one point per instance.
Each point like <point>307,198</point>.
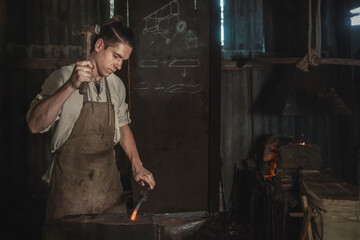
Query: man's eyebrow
<point>119,55</point>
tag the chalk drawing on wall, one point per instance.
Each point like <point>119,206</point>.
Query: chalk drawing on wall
<point>174,88</point>
<point>184,63</point>
<point>184,88</point>
<point>159,86</point>
<point>152,63</point>
<point>165,22</point>
<point>149,63</point>
<point>142,86</point>
<point>184,73</point>
<point>191,40</point>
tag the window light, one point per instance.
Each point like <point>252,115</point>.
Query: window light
<point>355,20</point>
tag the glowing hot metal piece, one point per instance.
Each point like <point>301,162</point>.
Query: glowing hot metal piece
<point>133,215</point>
<point>142,199</point>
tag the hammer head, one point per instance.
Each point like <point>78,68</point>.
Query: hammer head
<point>87,30</point>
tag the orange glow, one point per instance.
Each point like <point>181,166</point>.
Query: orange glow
<point>302,143</point>
<point>133,215</point>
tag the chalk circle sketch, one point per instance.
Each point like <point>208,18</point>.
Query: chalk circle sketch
<point>184,88</point>
<point>160,21</point>
<point>181,26</point>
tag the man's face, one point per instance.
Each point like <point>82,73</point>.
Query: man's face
<point>111,59</point>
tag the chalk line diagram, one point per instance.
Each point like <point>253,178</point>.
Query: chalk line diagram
<point>175,88</point>
<point>191,40</point>
<point>184,88</point>
<point>183,63</point>
<point>165,21</point>
<point>175,63</point>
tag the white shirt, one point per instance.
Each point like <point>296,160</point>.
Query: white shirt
<point>69,113</point>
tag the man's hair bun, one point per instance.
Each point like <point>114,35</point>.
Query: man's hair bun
<point>116,18</point>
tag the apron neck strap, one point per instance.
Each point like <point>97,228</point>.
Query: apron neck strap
<point>89,94</point>
<point>108,95</point>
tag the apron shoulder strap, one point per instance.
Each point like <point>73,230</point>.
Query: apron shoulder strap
<point>108,95</point>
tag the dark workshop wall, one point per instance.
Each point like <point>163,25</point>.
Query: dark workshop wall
<point>36,39</point>
<point>170,101</point>
<point>279,29</point>
<point>355,87</point>
<point>39,41</point>
<point>40,34</point>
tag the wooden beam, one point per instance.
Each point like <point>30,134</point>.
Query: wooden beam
<point>267,63</point>
<point>229,65</point>
<point>39,63</point>
<point>306,226</point>
<point>300,214</point>
<point>339,61</point>
<point>226,65</point>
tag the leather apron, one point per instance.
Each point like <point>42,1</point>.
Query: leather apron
<point>85,178</point>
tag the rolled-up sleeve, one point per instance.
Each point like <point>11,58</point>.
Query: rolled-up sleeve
<point>123,115</point>
<point>51,84</point>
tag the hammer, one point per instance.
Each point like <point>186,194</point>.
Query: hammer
<point>87,31</point>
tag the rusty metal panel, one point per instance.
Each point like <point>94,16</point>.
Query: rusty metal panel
<point>38,29</point>
<point>236,135</point>
<point>243,25</point>
<point>331,133</point>
<point>38,155</point>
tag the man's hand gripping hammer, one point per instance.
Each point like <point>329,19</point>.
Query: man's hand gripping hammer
<point>87,31</point>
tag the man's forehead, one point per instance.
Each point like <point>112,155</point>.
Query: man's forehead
<point>121,49</point>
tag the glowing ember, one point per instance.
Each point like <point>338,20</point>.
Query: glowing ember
<point>302,140</point>
<point>133,215</point>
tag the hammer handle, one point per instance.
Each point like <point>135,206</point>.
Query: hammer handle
<point>85,56</point>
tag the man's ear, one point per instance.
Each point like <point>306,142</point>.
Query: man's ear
<point>99,44</point>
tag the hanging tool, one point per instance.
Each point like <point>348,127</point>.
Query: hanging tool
<point>143,194</point>
<point>87,31</point>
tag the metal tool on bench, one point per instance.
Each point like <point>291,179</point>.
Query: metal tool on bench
<point>87,31</point>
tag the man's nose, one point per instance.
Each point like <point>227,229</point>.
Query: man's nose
<point>118,64</point>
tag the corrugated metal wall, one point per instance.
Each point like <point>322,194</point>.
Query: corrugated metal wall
<point>42,29</point>
<point>282,27</point>
<point>39,29</point>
